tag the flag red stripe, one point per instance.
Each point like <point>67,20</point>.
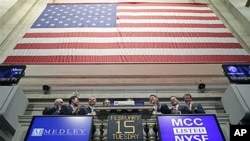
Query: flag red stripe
<point>170,25</point>
<point>165,10</point>
<point>143,4</point>
<point>126,59</point>
<point>135,4</point>
<point>125,45</point>
<point>126,34</point>
<point>168,17</point>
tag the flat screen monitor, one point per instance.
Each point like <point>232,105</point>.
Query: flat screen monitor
<point>11,74</point>
<point>239,74</point>
<point>60,128</point>
<point>189,128</point>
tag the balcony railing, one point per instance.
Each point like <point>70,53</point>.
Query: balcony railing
<point>100,116</point>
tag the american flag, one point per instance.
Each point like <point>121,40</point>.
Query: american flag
<point>127,33</point>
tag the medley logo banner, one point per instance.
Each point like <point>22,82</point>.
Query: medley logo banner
<point>189,128</point>
<point>63,128</point>
<point>58,132</point>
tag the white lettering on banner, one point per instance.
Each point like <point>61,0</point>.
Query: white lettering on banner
<point>64,131</point>
<point>125,136</point>
<point>187,122</point>
<point>190,130</point>
<point>192,138</point>
<point>68,132</point>
<point>37,132</point>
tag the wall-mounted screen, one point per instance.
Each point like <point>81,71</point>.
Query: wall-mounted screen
<point>189,128</point>
<point>11,74</point>
<point>239,74</point>
<point>60,128</point>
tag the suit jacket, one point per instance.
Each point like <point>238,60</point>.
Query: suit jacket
<point>83,111</point>
<point>183,109</point>
<point>51,111</point>
<point>89,110</point>
<point>198,109</point>
<point>67,110</point>
<point>164,109</point>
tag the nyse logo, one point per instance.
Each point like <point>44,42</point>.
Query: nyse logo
<point>37,132</point>
<point>241,132</point>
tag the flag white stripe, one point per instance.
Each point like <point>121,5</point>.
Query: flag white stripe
<point>163,7</point>
<point>130,40</point>
<point>173,21</point>
<point>164,14</point>
<point>168,21</point>
<point>125,29</point>
<point>133,51</point>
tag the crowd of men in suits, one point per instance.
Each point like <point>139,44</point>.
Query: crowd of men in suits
<point>74,108</point>
<point>190,107</point>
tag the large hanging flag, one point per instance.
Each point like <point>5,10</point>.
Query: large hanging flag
<point>127,33</point>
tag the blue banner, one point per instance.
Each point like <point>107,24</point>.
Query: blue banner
<point>60,128</point>
<point>189,128</point>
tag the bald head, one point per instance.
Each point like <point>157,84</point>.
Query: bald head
<point>58,102</point>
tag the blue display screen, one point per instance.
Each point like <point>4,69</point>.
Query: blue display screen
<point>189,128</point>
<point>11,74</point>
<point>60,128</point>
<point>239,74</point>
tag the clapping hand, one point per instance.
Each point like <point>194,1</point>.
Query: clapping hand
<point>175,111</point>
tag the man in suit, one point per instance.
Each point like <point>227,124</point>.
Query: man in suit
<point>74,108</point>
<point>56,110</point>
<point>176,108</point>
<point>91,107</point>
<point>158,108</point>
<point>106,102</point>
<point>193,107</point>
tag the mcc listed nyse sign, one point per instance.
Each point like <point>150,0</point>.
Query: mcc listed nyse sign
<point>189,128</point>
<point>125,127</point>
